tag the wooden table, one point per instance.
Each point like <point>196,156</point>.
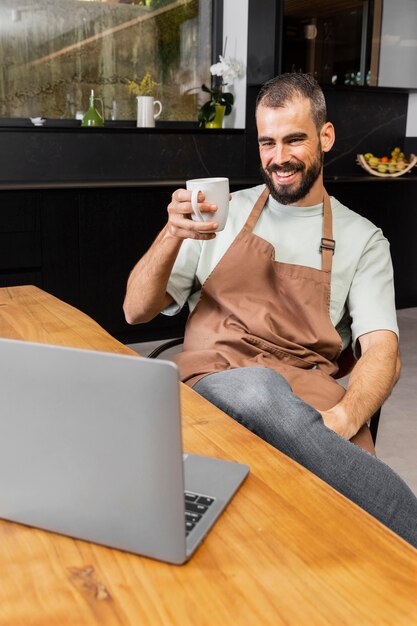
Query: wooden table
<point>288,550</point>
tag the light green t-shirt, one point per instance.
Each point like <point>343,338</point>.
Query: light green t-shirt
<point>362,288</point>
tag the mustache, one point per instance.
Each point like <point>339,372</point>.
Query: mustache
<point>286,167</point>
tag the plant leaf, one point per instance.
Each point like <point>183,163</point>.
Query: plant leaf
<point>228,98</point>
<point>207,112</point>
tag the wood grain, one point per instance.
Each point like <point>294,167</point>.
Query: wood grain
<point>288,549</point>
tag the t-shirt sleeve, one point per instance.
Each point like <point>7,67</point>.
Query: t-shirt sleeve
<point>371,300</point>
<point>182,280</point>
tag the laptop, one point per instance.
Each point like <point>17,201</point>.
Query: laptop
<point>90,447</point>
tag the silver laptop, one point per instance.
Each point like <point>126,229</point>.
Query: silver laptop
<point>90,447</point>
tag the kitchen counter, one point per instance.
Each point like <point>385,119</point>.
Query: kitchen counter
<point>175,183</point>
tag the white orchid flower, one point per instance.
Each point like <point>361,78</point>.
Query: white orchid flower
<point>228,69</point>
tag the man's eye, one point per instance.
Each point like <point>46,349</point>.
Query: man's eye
<point>267,144</point>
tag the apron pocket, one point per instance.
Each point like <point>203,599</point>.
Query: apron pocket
<point>282,355</point>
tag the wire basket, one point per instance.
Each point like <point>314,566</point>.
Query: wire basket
<point>408,166</point>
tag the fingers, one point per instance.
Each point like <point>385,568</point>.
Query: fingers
<point>180,223</point>
<point>182,226</point>
<point>182,233</point>
<point>181,203</point>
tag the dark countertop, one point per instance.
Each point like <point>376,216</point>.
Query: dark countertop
<point>235,182</point>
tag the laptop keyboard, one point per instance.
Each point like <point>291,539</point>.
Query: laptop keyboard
<point>196,506</point>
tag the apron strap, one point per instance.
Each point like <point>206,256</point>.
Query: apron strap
<point>327,245</point>
<point>256,211</point>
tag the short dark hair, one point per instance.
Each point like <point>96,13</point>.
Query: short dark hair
<point>286,87</point>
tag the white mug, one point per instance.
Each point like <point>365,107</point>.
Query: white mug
<point>216,191</point>
<point>146,111</point>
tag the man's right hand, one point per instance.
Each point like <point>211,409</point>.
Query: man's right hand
<point>180,225</point>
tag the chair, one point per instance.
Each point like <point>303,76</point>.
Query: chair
<point>374,423</point>
<point>165,346</point>
<point>171,343</point>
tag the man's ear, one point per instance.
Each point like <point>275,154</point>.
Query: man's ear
<point>327,136</point>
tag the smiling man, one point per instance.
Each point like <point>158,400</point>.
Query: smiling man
<point>295,284</point>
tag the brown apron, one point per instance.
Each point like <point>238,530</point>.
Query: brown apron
<point>255,311</point>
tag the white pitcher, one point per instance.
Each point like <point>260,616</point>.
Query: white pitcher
<point>146,111</point>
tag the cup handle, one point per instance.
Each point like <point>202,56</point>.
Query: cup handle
<point>194,204</point>
<point>160,109</point>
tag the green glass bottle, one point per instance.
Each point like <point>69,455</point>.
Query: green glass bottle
<point>93,117</point>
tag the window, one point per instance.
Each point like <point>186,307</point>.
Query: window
<point>55,51</point>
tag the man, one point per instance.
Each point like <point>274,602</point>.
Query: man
<point>275,298</point>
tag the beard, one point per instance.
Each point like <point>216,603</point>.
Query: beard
<point>287,194</point>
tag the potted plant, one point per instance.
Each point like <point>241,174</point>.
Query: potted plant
<point>220,103</point>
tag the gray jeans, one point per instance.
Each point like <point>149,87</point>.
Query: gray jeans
<point>262,400</point>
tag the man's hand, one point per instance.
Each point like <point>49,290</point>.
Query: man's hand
<point>336,419</point>
<point>180,225</point>
<point>146,294</point>
<point>370,383</point>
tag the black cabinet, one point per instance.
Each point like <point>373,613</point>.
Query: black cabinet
<point>116,227</point>
<point>330,40</point>
<point>20,240</point>
<point>80,246</point>
<point>60,243</point>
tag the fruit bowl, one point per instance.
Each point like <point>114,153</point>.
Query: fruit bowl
<point>386,169</point>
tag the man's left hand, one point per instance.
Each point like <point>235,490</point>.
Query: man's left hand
<point>370,383</point>
<point>336,419</point>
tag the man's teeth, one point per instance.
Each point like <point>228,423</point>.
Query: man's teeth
<point>284,174</point>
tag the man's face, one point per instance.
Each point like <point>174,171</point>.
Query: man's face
<point>291,152</point>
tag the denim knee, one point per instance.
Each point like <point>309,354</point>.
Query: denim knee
<point>259,389</point>
<point>260,399</point>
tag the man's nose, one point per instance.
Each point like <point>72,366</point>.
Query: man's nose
<point>281,154</point>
